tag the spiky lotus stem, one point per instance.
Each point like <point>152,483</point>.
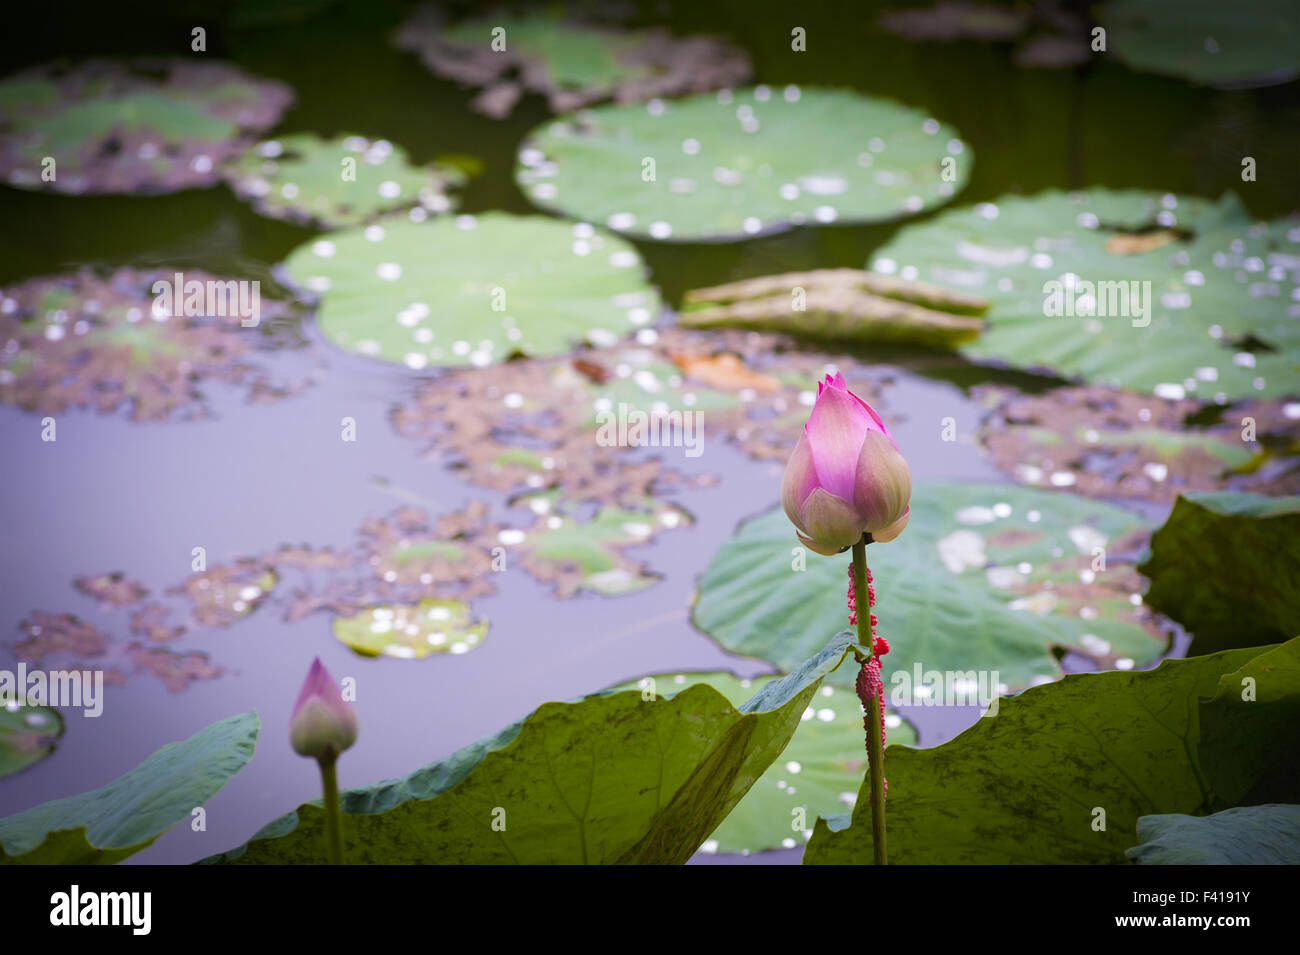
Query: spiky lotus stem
<point>870,688</point>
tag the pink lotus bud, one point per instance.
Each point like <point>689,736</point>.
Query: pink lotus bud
<point>322,724</point>
<point>846,476</point>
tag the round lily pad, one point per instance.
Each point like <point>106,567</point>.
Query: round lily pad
<point>412,631</point>
<point>571,62</point>
<point>349,180</point>
<point>149,126</point>
<point>1207,41</point>
<point>1167,294</point>
<point>985,578</point>
<point>28,733</point>
<point>473,290</point>
<point>737,163</point>
<point>819,772</point>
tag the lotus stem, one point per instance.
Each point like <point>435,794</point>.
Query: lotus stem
<point>875,747</point>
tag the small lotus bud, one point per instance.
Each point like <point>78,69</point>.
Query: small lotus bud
<point>322,724</point>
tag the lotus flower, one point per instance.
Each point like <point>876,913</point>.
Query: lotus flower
<point>322,725</point>
<point>846,476</point>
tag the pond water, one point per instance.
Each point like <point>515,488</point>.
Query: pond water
<point>113,494</point>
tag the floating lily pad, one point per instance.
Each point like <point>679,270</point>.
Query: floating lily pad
<point>1219,311</point>
<point>570,62</point>
<point>574,554</point>
<point>82,341</point>
<point>305,179</point>
<point>28,733</point>
<point>150,126</point>
<point>1111,442</point>
<point>1205,41</point>
<point>1030,784</point>
<point>108,824</point>
<point>985,578</point>
<point>1227,567</point>
<point>586,782</point>
<point>475,290</point>
<point>819,772</point>
<point>411,632</point>
<point>736,164</point>
<point>1248,835</point>
<point>840,305</point>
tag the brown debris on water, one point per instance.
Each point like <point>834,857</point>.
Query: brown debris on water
<point>653,62</point>
<point>176,670</point>
<point>129,114</point>
<point>227,593</point>
<point>1111,442</point>
<point>114,590</point>
<point>88,341</point>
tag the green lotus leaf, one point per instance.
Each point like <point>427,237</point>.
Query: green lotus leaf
<point>1247,835</point>
<point>818,773</point>
<point>1167,294</point>
<point>612,778</point>
<point>108,824</point>
<point>1205,41</point>
<point>1061,774</point>
<point>412,631</point>
<point>986,577</point>
<point>473,290</point>
<point>735,164</point>
<point>28,733</point>
<point>1227,567</point>
<point>348,180</point>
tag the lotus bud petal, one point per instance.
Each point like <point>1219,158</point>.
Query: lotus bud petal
<point>846,476</point>
<point>323,724</point>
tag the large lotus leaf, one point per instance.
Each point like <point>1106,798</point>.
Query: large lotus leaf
<point>1227,567</point>
<point>1216,309</point>
<point>473,290</point>
<point>735,164</point>
<point>1207,41</point>
<point>1251,728</point>
<point>1247,835</point>
<point>818,773</point>
<point>336,182</point>
<point>985,577</point>
<point>1037,782</point>
<point>571,62</point>
<point>615,777</point>
<point>108,824</point>
<point>28,733</point>
<point>151,126</point>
